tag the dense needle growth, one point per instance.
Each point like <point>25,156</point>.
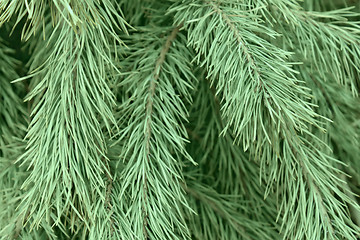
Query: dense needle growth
<point>170,119</point>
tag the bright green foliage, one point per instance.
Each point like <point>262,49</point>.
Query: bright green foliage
<point>194,119</point>
<point>73,94</point>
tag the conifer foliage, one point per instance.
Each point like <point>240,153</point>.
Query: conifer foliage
<point>179,119</point>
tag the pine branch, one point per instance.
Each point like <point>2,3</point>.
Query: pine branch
<point>328,38</point>
<point>149,112</point>
<point>12,129</point>
<point>74,105</point>
<point>283,112</point>
<point>273,87</point>
<point>153,133</point>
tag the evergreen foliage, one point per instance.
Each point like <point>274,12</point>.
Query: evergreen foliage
<point>169,119</point>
